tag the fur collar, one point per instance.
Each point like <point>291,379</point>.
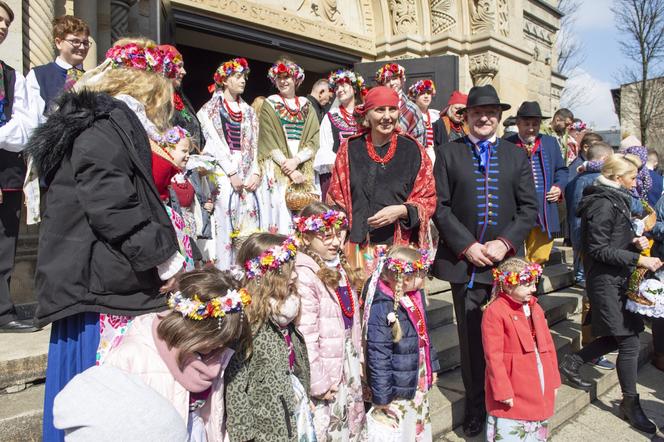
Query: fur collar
<point>604,181</point>
<point>51,142</point>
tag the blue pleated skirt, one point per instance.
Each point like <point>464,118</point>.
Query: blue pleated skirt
<point>73,348</point>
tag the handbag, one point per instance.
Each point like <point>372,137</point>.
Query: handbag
<point>299,196</point>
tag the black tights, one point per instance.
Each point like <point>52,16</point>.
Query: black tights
<point>628,357</point>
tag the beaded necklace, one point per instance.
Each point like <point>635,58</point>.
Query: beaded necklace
<point>235,116</point>
<point>390,151</point>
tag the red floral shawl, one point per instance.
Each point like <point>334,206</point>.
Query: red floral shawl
<point>423,195</point>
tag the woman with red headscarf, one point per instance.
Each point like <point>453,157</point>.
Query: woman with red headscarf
<point>383,179</point>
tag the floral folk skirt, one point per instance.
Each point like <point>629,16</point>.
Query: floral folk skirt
<point>344,418</point>
<point>508,430</point>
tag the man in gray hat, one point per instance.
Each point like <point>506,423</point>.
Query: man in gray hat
<point>486,207</point>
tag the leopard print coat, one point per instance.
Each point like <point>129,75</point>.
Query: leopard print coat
<point>260,402</point>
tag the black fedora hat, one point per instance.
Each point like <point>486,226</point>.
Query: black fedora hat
<point>530,109</point>
<point>485,96</point>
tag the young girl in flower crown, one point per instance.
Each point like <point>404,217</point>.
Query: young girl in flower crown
<point>401,363</point>
<point>182,352</point>
<point>266,390</point>
<point>330,323</point>
<point>522,376</point>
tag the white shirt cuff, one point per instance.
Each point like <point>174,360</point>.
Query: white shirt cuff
<point>170,267</point>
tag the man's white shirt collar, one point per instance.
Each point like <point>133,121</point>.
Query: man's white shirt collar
<point>64,65</point>
<point>476,140</point>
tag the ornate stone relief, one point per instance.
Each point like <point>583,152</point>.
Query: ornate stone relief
<point>285,17</point>
<point>483,68</point>
<point>441,19</point>
<point>538,32</point>
<point>503,18</point>
<point>120,18</point>
<point>404,17</point>
<point>482,15</point>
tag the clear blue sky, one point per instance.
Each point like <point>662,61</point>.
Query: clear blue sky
<point>595,27</point>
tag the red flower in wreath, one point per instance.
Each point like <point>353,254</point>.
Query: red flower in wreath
<point>177,102</point>
<point>282,69</point>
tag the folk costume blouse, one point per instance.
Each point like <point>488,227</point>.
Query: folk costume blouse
<point>336,127</point>
<point>362,187</point>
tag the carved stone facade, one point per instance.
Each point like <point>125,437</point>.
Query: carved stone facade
<point>508,43</point>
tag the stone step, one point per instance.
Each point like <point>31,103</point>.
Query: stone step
<point>447,400</point>
<point>23,358</point>
<point>21,414</point>
<point>556,277</point>
<point>446,340</point>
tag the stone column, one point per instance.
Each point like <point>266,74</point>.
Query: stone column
<point>120,18</point>
<point>483,67</point>
<point>37,39</point>
<point>87,10</point>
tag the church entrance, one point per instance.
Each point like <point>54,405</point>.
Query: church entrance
<point>207,42</point>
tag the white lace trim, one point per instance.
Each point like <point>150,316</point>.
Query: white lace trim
<point>656,311</point>
<point>139,109</point>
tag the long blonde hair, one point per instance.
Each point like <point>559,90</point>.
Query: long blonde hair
<point>273,284</point>
<point>153,90</point>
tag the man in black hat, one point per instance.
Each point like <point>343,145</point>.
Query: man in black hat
<point>486,207</point>
<point>549,174</point>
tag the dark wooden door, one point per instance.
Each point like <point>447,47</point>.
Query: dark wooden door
<point>443,70</point>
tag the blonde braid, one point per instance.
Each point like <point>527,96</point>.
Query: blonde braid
<point>355,276</point>
<point>398,293</point>
<point>329,276</point>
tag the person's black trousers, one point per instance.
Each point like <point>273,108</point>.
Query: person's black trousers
<point>658,335</point>
<point>468,304</point>
<point>10,215</point>
<point>627,364</point>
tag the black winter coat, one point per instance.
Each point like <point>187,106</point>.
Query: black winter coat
<point>475,206</point>
<point>104,229</point>
<point>609,257</point>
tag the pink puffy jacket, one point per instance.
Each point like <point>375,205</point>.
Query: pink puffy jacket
<point>322,325</point>
<point>137,354</point>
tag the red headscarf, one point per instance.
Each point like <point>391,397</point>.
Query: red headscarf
<point>378,96</point>
<point>457,98</point>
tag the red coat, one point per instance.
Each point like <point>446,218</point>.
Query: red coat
<point>511,364</point>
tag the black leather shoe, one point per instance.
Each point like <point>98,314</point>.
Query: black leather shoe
<point>631,411</point>
<point>473,425</point>
<point>569,368</point>
<point>18,327</point>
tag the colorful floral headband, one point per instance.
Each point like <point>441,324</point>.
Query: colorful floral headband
<point>398,265</point>
<point>272,258</point>
<point>345,76</point>
<point>290,69</point>
<point>529,275</point>
<point>321,222</point>
<point>236,65</point>
<point>420,87</point>
<point>578,126</point>
<point>149,59</point>
<point>388,71</point>
<point>171,138</point>
<point>193,308</point>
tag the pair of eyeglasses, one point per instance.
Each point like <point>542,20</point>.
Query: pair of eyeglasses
<point>78,43</point>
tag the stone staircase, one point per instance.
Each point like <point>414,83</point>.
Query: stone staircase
<point>23,360</point>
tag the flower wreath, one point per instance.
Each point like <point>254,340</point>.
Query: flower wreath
<point>171,138</point>
<point>290,69</point>
<point>149,59</point>
<point>388,71</point>
<point>420,87</point>
<point>529,275</point>
<point>578,126</point>
<point>236,65</point>
<point>193,308</point>
<point>271,259</point>
<point>398,265</point>
<point>321,222</point>
<point>345,76</point>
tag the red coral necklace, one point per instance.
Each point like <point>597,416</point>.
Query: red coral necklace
<point>351,310</point>
<point>390,151</point>
<point>298,108</point>
<point>235,116</point>
<point>347,116</point>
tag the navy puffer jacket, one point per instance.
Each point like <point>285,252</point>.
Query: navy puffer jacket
<point>392,367</point>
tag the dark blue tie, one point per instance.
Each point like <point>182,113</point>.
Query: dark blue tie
<point>484,149</point>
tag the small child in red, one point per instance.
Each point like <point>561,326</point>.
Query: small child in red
<point>522,377</point>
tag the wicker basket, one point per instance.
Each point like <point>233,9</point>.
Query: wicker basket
<point>299,196</point>
<point>635,281</point>
<point>650,219</point>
